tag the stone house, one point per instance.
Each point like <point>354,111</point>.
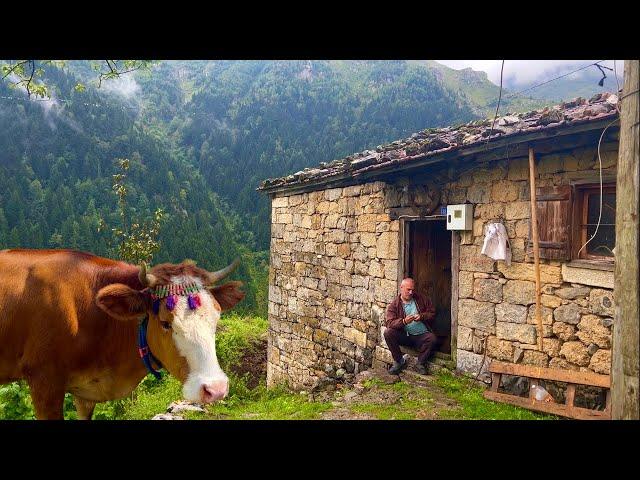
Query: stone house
<point>345,233</point>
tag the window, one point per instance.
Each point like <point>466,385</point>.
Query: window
<point>586,212</point>
<point>567,218</point>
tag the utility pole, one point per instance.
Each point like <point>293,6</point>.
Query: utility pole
<point>625,362</point>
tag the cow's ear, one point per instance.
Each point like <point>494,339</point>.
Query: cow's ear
<point>228,294</point>
<point>122,302</point>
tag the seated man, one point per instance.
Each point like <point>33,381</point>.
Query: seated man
<point>407,320</point>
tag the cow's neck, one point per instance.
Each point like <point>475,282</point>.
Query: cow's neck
<point>112,367</point>
<point>115,368</point>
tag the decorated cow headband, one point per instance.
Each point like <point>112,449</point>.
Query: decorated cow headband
<point>171,293</point>
<point>172,290</point>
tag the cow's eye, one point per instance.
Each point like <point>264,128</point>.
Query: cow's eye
<point>165,325</point>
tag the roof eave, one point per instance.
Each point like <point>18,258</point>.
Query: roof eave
<point>408,163</point>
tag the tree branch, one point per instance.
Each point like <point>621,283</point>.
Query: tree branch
<point>33,71</point>
<point>11,70</point>
<point>114,72</point>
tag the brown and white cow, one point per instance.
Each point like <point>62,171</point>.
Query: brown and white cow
<point>69,323</point>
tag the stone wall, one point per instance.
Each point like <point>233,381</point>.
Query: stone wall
<point>333,269</point>
<point>496,306</point>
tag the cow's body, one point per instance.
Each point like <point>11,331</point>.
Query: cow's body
<point>54,335</point>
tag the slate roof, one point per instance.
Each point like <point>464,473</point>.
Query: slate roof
<point>431,142</point>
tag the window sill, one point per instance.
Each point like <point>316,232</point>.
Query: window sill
<point>589,272</point>
<point>593,265</point>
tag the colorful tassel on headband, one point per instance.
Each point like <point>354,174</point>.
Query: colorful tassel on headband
<point>171,302</point>
<point>171,293</point>
<point>194,301</point>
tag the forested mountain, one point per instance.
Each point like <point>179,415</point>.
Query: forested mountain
<point>244,121</point>
<point>57,159</point>
<point>200,137</point>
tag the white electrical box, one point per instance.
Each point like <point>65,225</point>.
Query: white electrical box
<point>460,217</point>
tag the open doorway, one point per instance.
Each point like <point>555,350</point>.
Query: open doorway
<point>427,259</point>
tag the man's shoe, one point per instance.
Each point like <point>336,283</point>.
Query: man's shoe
<point>422,369</point>
<point>397,367</point>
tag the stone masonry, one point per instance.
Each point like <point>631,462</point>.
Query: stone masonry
<point>334,269</point>
<point>496,306</point>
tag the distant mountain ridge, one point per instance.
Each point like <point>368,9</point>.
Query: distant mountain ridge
<point>244,121</point>
<point>201,136</point>
<point>582,83</point>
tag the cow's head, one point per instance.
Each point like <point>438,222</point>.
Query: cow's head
<point>182,330</point>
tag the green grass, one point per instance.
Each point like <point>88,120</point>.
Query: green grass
<point>235,334</point>
<point>148,399</point>
<point>276,403</point>
<point>411,404</point>
<point>473,406</point>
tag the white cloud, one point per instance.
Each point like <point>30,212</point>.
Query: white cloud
<point>518,73</point>
<point>52,109</point>
<point>124,85</point>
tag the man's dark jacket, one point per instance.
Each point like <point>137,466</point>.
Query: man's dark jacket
<point>395,312</point>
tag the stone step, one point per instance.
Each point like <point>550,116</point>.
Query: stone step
<point>443,356</point>
<point>440,362</point>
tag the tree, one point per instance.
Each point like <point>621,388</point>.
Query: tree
<point>137,241</point>
<point>28,73</point>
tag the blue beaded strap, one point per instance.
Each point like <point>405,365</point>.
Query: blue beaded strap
<point>144,351</point>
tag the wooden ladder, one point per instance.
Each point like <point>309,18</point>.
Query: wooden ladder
<point>572,378</point>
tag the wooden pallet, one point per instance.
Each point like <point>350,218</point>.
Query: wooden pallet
<point>572,378</point>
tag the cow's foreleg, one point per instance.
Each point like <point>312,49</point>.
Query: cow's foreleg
<point>84,408</point>
<point>47,395</point>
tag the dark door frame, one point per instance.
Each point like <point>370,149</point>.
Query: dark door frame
<point>403,259</point>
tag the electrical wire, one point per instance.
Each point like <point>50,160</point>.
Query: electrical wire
<point>615,71</point>
<point>63,100</point>
<point>600,161</point>
<point>497,106</point>
<point>627,94</point>
<point>553,79</point>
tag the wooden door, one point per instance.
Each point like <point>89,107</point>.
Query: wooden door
<point>429,264</point>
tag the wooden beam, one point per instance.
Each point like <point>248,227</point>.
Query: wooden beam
<point>567,376</point>
<point>533,381</point>
<point>455,272</point>
<point>625,364</point>
<point>536,245</point>
<point>414,213</point>
<point>495,381</point>
<point>403,251</point>
<point>570,396</point>
<point>553,408</point>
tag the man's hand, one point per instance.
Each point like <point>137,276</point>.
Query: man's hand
<point>411,318</point>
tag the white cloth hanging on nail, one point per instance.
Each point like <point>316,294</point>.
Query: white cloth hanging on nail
<point>496,242</point>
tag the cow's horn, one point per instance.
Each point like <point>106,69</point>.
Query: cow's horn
<point>220,274</point>
<point>146,279</point>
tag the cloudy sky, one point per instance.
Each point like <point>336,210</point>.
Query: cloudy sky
<point>518,73</point>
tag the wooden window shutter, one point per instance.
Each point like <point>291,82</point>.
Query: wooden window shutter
<point>554,207</point>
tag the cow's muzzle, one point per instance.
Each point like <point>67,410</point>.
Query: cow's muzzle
<point>214,391</point>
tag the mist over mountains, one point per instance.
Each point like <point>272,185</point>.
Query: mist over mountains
<point>201,136</point>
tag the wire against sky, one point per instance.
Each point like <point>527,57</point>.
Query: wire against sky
<point>554,79</point>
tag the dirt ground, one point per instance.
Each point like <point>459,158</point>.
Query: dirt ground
<point>370,393</point>
<point>377,394</point>
<point>253,363</point>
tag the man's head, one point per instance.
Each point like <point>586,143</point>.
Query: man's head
<point>406,289</point>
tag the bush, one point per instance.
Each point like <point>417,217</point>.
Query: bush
<point>15,402</point>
